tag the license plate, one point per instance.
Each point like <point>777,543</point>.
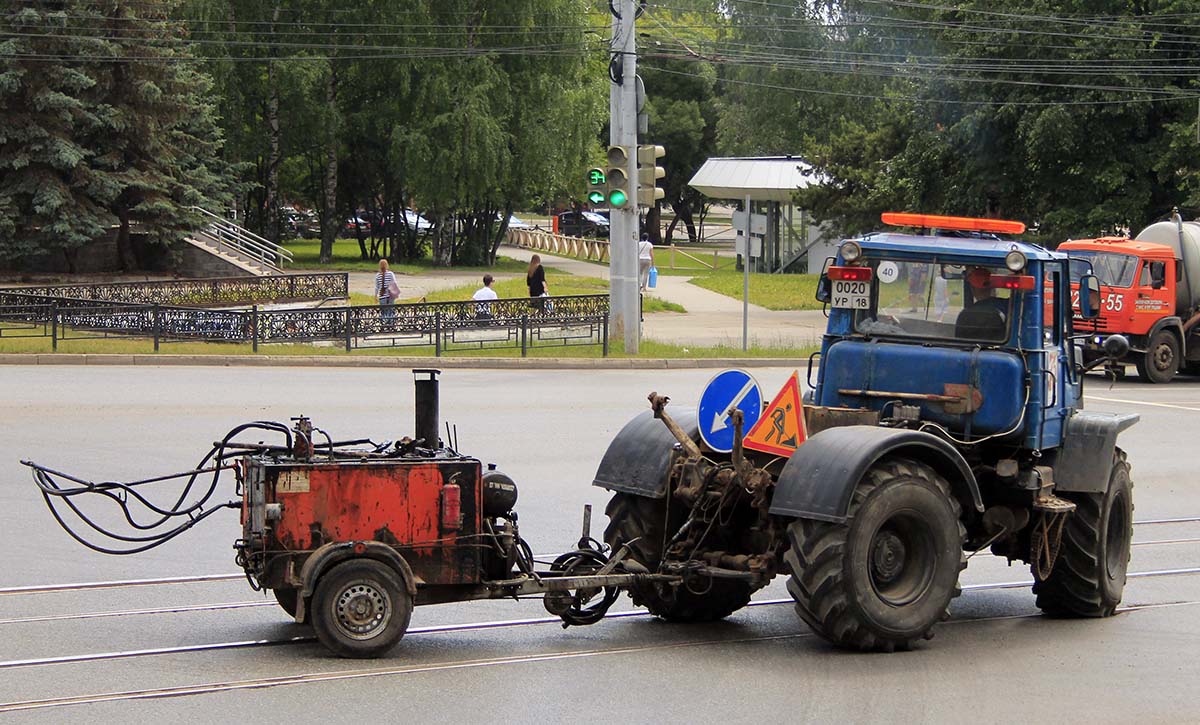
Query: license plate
<point>851,295</point>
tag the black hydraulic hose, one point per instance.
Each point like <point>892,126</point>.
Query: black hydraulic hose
<point>125,495</point>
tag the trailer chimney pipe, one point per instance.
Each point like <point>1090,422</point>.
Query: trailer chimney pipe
<point>426,406</point>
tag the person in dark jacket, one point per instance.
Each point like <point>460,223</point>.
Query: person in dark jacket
<point>535,278</point>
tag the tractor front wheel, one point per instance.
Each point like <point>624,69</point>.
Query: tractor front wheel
<point>1088,578</point>
<point>882,579</point>
<point>360,608</point>
<point>642,522</point>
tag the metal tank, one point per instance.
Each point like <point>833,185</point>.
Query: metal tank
<point>1184,238</point>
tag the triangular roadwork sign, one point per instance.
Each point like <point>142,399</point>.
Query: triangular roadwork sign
<point>780,429</point>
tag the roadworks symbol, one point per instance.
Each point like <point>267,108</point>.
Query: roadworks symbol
<point>780,430</point>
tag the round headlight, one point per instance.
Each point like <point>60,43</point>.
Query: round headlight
<point>851,252</point>
<point>1015,261</point>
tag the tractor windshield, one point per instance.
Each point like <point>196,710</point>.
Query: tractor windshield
<point>941,301</point>
<point>1111,269</point>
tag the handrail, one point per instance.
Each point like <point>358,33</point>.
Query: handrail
<point>259,248</point>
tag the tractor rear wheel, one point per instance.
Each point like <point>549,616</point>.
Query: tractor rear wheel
<point>1088,578</point>
<point>882,579</point>
<point>360,608</point>
<point>1161,359</point>
<point>645,519</point>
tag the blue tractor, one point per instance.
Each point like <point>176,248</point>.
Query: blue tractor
<point>946,418</point>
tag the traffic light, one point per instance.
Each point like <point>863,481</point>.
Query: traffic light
<point>596,183</point>
<point>617,177</point>
<point>649,172</point>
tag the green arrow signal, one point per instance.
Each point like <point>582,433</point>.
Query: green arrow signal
<point>596,197</point>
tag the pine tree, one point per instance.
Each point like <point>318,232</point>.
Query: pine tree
<point>51,199</point>
<point>104,121</point>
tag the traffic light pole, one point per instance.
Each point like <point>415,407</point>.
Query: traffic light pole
<point>625,318</point>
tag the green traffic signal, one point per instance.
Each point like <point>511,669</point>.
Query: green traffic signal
<point>617,198</point>
<point>596,197</point>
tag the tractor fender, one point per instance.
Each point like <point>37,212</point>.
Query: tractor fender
<point>639,458</point>
<point>1085,460</point>
<point>324,558</point>
<point>819,479</point>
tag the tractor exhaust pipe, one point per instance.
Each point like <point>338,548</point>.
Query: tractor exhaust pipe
<point>426,407</point>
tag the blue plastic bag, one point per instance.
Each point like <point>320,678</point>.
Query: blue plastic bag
<point>653,282</point>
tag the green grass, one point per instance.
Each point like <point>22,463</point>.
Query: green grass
<point>560,284</point>
<point>347,258</point>
<point>772,291</point>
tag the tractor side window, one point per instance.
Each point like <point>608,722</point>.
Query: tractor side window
<point>1144,278</point>
<point>1051,313</point>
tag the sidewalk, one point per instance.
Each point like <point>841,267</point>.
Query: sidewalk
<point>711,319</point>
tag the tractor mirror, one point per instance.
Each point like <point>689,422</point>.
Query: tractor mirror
<point>824,290</point>
<point>1089,297</point>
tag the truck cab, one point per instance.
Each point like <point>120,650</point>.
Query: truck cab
<point>1139,287</point>
<point>967,332</point>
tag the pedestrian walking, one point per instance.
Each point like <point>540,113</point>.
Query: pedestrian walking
<point>386,291</point>
<point>535,279</point>
<point>645,260</point>
<point>483,298</point>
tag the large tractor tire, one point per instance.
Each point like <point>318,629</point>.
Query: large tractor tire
<point>882,579</point>
<point>645,519</point>
<point>1161,360</point>
<point>361,608</point>
<point>1088,578</point>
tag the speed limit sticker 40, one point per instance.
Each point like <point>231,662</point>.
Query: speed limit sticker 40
<point>851,295</point>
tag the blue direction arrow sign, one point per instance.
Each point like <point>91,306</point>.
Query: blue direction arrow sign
<point>728,390</point>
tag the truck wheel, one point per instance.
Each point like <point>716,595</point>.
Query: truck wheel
<point>1088,578</point>
<point>882,579</point>
<point>287,600</point>
<point>1161,360</point>
<point>637,517</point>
<point>360,608</point>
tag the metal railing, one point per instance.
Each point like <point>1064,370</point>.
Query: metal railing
<point>242,240</point>
<point>205,292</point>
<point>446,326</point>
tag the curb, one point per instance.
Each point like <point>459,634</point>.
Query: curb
<point>393,362</point>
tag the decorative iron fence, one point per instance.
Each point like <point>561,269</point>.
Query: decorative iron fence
<point>206,292</point>
<point>446,326</point>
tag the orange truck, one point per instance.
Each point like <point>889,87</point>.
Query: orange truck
<point>1149,292</point>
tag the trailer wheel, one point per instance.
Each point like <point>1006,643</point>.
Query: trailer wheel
<point>1161,360</point>
<point>637,517</point>
<point>1088,578</point>
<point>882,579</point>
<point>287,599</point>
<point>360,608</point>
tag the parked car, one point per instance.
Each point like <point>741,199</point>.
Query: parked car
<point>515,222</point>
<point>412,219</point>
<point>582,224</point>
<point>301,223</point>
<point>355,223</point>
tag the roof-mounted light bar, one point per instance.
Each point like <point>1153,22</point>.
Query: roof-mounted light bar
<point>959,223</point>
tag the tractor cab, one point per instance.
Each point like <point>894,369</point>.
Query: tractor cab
<point>958,328</point>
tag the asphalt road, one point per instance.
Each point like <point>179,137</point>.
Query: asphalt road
<point>995,660</point>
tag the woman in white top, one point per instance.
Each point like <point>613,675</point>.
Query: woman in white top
<point>386,291</point>
<point>645,260</point>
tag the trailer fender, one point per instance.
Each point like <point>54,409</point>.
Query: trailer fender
<point>324,558</point>
<point>639,458</point>
<point>819,479</point>
<point>1085,460</point>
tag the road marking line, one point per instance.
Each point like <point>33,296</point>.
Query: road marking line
<point>1141,402</point>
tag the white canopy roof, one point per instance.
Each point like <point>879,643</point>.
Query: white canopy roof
<point>770,178</point>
